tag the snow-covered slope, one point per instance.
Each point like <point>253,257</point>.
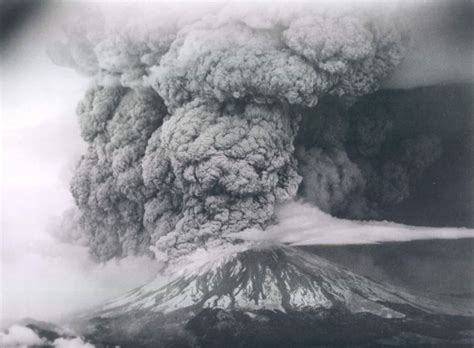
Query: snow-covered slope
<point>270,296</point>
<point>276,278</point>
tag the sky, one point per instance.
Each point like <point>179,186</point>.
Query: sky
<point>40,144</point>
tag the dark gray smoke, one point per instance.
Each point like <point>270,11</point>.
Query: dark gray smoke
<point>356,161</point>
<point>191,123</point>
<point>108,185</point>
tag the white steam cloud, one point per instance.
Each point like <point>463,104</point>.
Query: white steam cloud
<point>305,224</point>
<point>20,336</point>
<point>23,336</point>
<point>76,342</point>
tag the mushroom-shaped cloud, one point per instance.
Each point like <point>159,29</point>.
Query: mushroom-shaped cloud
<point>221,156</point>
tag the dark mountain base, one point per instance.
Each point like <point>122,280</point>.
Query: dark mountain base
<point>333,327</point>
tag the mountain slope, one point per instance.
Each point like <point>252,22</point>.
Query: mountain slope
<point>284,293</point>
<point>277,278</point>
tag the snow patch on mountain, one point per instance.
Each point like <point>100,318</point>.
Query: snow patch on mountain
<point>266,277</point>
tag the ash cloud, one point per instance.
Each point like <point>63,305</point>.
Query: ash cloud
<point>197,128</point>
<point>108,185</point>
<point>358,160</point>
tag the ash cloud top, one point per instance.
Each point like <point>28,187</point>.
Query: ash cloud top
<point>193,123</point>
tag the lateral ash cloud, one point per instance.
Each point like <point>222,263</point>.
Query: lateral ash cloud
<point>192,122</point>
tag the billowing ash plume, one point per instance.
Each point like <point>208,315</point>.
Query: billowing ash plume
<point>108,186</point>
<point>356,161</point>
<point>331,180</point>
<point>220,155</point>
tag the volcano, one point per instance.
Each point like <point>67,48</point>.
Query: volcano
<point>272,296</point>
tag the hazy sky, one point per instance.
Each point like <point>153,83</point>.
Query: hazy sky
<point>40,144</point>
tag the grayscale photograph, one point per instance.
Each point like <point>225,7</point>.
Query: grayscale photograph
<point>237,174</point>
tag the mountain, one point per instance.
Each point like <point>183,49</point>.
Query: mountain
<point>272,296</point>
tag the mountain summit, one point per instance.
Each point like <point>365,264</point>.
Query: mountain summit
<point>273,278</point>
<point>286,295</point>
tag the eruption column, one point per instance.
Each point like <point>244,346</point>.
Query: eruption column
<point>221,156</point>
